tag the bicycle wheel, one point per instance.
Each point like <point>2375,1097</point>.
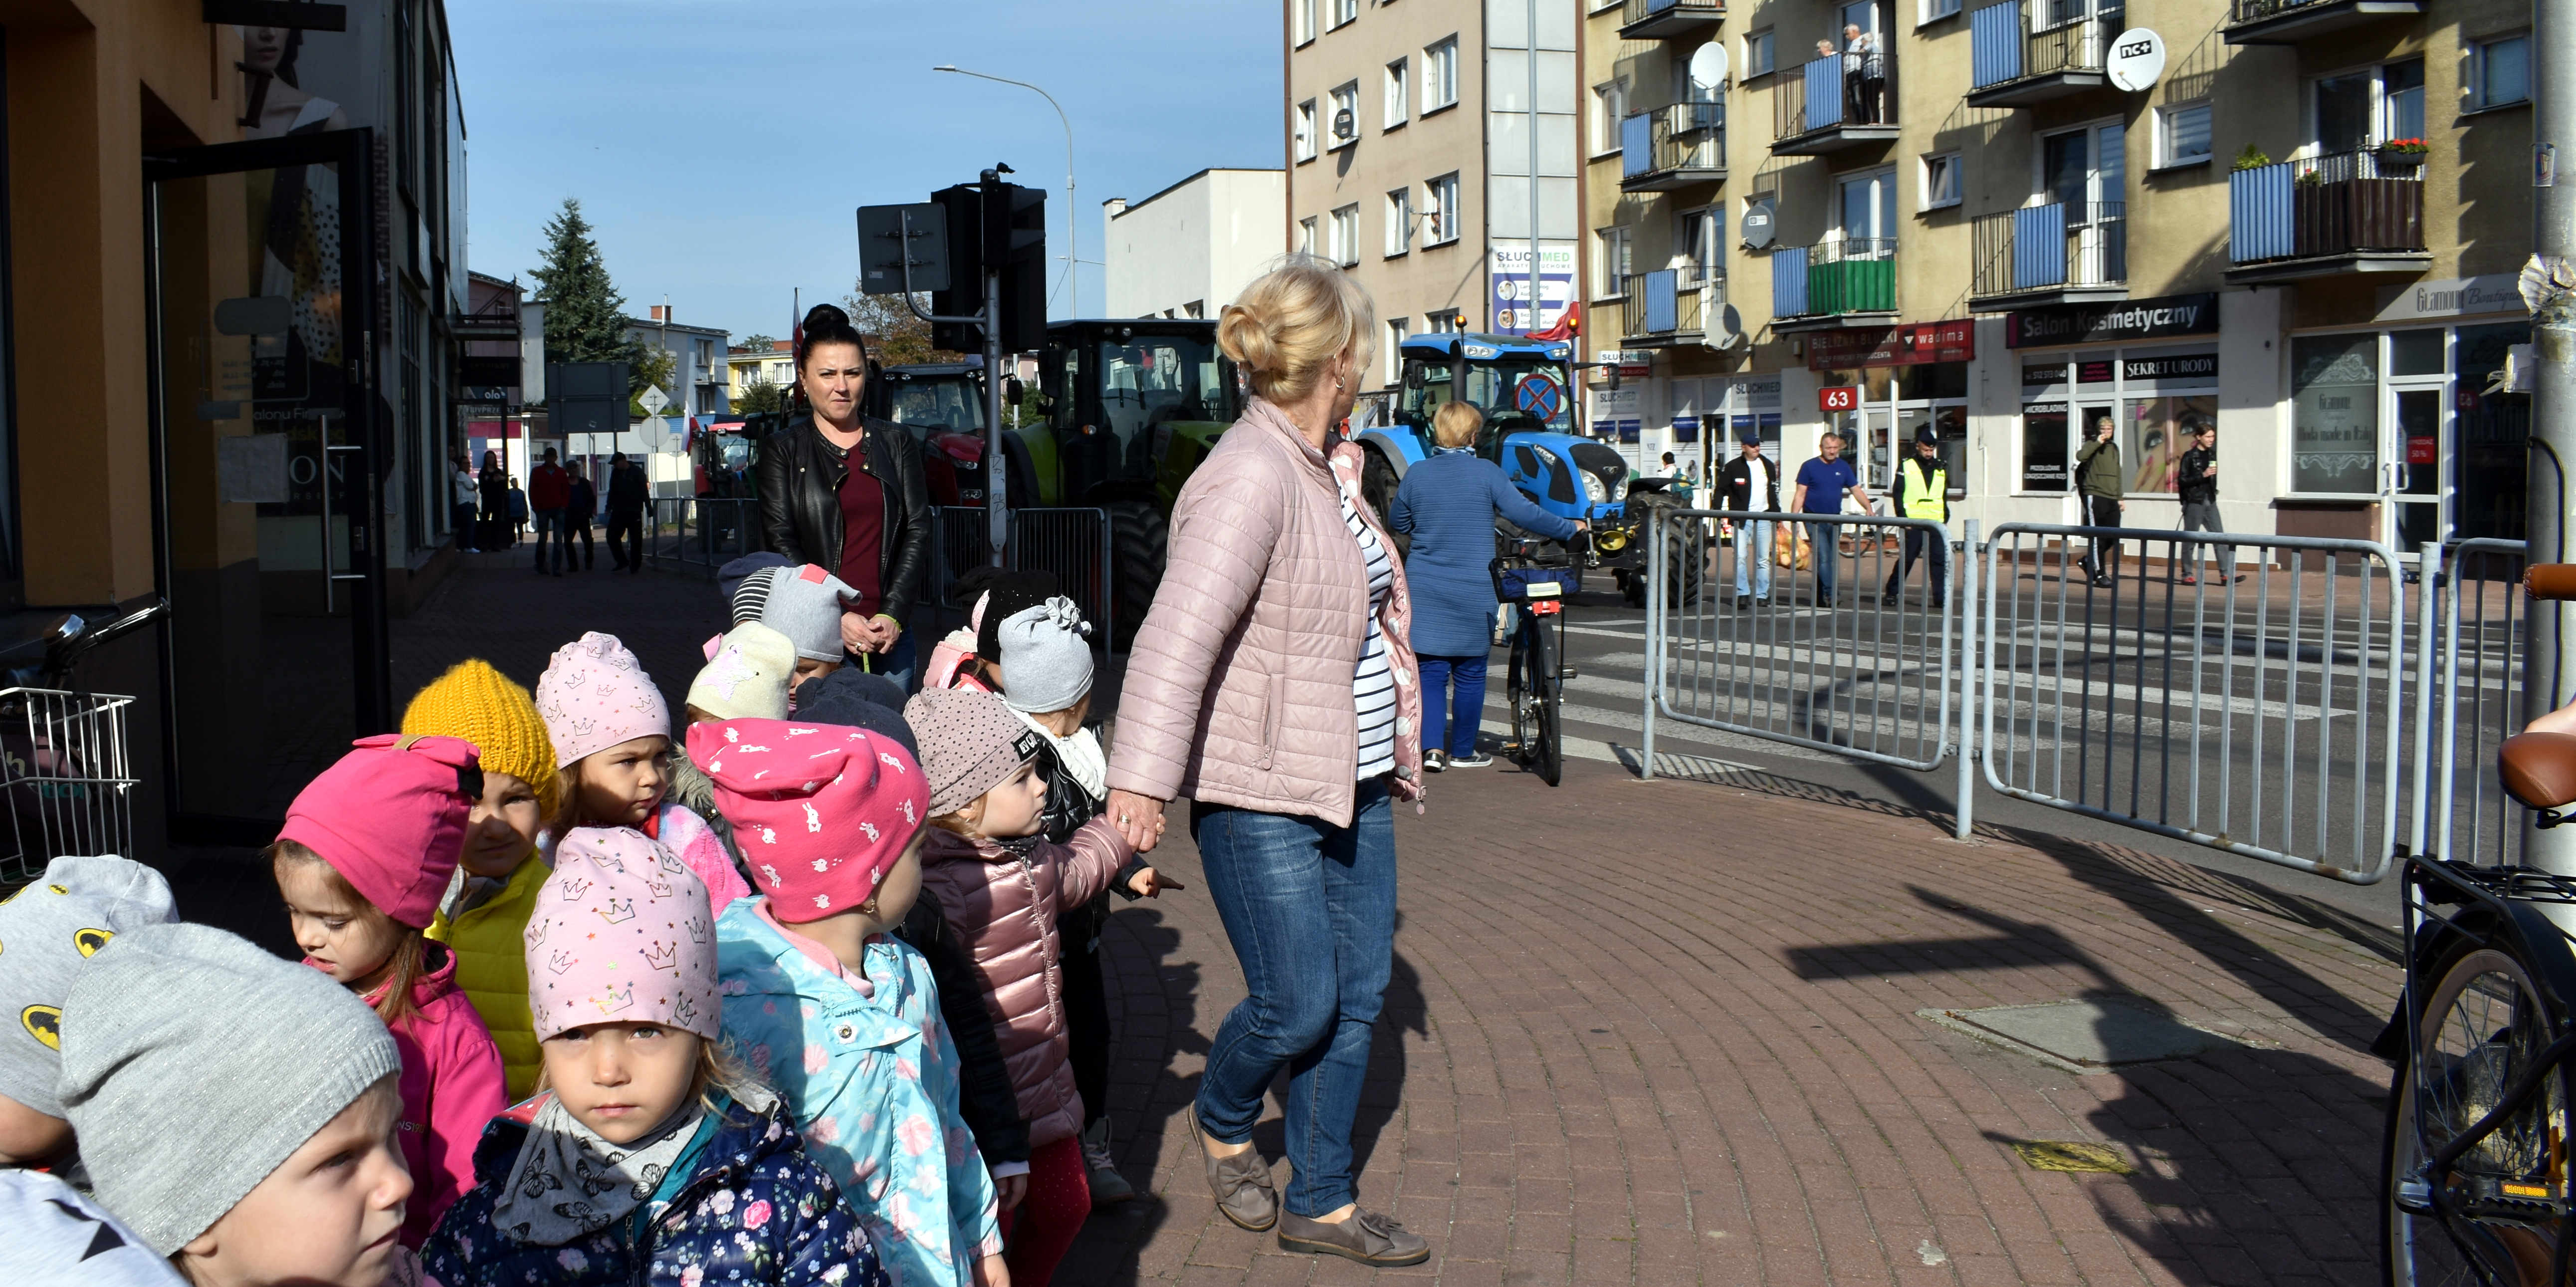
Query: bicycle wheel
<point>1548,681</point>
<point>1515,697</point>
<point>2484,1025</point>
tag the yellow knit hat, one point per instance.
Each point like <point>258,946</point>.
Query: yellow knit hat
<point>480,704</point>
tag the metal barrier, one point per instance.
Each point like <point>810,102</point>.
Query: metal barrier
<point>1071,542</point>
<point>2468,698</point>
<point>2237,715</point>
<point>700,531</point>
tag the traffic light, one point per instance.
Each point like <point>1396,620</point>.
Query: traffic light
<point>963,205</point>
<point>1014,240</point>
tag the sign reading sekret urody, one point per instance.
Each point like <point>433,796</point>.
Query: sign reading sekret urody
<point>2137,319</point>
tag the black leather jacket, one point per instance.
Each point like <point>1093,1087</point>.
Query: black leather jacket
<point>800,504</point>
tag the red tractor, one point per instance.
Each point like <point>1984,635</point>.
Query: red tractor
<point>943,405</point>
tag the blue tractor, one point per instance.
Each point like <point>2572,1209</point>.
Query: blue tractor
<point>1526,390</point>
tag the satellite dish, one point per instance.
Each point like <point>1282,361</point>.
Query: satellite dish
<point>2137,59</point>
<point>1757,226</point>
<point>1708,65</point>
<point>1726,331</point>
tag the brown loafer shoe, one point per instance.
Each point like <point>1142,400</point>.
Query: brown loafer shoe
<point>1366,1237</point>
<point>1241,1183</point>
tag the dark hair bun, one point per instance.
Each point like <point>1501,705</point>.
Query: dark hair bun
<point>825,317</point>
<point>827,324</point>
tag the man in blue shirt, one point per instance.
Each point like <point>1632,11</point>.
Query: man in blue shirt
<point>1822,484</point>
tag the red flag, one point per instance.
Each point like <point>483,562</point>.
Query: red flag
<point>1567,326</point>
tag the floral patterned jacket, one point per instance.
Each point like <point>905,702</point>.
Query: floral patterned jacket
<point>873,1081</point>
<point>756,1211</point>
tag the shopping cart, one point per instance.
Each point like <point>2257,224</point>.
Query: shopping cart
<point>66,764</point>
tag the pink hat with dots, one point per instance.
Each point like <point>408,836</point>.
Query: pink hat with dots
<point>821,812</point>
<point>595,695</point>
<point>621,934</point>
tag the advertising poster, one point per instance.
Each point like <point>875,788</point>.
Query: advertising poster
<point>1509,286</point>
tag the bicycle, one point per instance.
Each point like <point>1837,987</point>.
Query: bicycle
<point>66,773</point>
<point>1536,588</point>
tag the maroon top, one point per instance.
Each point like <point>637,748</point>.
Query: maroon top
<point>863,503</point>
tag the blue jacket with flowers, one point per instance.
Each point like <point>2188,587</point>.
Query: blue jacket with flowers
<point>756,1212</point>
<point>873,1081</point>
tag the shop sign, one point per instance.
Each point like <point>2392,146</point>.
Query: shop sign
<point>2093,372</point>
<point>1841,397</point>
<point>2043,375</point>
<point>2453,297</point>
<point>2179,367</point>
<point>2143,319</point>
<point>1912,344</point>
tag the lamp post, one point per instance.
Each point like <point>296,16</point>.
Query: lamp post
<point>1072,221</point>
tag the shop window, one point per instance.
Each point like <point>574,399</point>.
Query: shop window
<point>2045,447</point>
<point>2490,438</point>
<point>2334,417</point>
<point>2154,432</point>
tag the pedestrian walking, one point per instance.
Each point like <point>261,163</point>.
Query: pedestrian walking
<point>462,497</point>
<point>2097,482</point>
<point>1822,484</point>
<point>845,491</point>
<point>1449,504</point>
<point>518,502</point>
<point>577,515</point>
<point>494,487</point>
<point>549,494</point>
<point>2199,491</point>
<point>1922,490</point>
<point>625,513</point>
<point>1273,683</point>
<point>1750,484</point>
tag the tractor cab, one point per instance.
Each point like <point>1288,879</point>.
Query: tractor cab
<point>942,404</point>
<point>1521,385</point>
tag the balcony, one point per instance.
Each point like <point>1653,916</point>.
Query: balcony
<point>2287,22</point>
<point>1835,102</point>
<point>1851,282</point>
<point>1670,306</point>
<point>2011,65</point>
<point>1658,19</point>
<point>1672,147</point>
<point>2346,212</point>
<point>2051,254</point>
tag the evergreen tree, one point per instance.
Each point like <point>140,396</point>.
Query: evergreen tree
<point>585,316</point>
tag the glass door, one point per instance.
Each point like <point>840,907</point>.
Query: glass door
<point>2415,476</point>
<point>258,276</point>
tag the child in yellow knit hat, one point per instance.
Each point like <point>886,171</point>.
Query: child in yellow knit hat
<point>486,909</point>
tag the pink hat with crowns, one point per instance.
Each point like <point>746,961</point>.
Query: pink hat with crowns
<point>621,934</point>
<point>595,695</point>
<point>821,812</point>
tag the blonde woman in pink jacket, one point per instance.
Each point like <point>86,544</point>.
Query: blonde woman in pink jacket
<point>1272,684</point>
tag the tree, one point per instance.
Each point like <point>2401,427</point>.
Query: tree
<point>756,343</point>
<point>895,336</point>
<point>760,397</point>
<point>653,368</point>
<point>585,316</point>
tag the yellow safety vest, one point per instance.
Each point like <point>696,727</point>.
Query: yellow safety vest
<point>1933,500</point>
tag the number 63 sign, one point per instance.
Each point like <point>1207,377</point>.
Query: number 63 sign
<point>1844,397</point>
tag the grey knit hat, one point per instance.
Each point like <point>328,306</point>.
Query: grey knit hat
<point>194,1063</point>
<point>970,741</point>
<point>803,603</point>
<point>1046,657</point>
<point>48,931</point>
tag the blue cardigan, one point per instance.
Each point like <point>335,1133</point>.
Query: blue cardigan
<point>1448,505</point>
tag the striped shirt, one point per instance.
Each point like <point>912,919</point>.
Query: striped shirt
<point>1373,682</point>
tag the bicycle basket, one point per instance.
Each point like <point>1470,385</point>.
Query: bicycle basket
<point>1519,583</point>
<point>67,776</point>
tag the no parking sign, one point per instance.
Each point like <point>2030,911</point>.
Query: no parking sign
<point>1540,395</point>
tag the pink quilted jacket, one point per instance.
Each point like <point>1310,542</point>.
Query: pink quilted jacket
<point>1004,908</point>
<point>1238,691</point>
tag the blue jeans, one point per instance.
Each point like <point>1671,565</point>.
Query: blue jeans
<point>1437,732</point>
<point>550,521</point>
<point>1310,910</point>
<point>1823,536</point>
<point>1753,558</point>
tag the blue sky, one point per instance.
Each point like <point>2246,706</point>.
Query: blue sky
<point>721,146</point>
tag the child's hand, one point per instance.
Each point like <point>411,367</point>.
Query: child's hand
<point>1010,1190</point>
<point>991,1271</point>
<point>1149,883</point>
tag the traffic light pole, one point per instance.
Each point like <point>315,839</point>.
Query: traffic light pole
<point>997,510</point>
<point>2552,626</point>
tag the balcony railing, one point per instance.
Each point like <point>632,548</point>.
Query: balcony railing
<point>1656,19</point>
<point>1837,93</point>
<point>2342,203</point>
<point>1672,146</point>
<point>2054,247</point>
<point>1852,275</point>
<point>1670,302</point>
<point>2287,21</point>
<point>2004,51</point>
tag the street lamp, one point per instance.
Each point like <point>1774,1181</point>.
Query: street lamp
<point>1072,221</point>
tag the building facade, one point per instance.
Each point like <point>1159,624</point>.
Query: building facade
<point>1189,249</point>
<point>773,363</point>
<point>2295,221</point>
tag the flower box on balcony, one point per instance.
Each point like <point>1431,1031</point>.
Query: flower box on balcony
<point>2402,154</point>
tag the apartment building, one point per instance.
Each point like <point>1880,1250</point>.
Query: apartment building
<point>2294,219</point>
<point>1429,147</point>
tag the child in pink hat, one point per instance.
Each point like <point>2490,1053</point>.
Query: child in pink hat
<point>612,734</point>
<point>366,851</point>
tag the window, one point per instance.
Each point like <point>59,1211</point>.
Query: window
<point>1936,10</point>
<point>1396,329</point>
<point>1941,181</point>
<point>2084,167</point>
<point>1614,248</point>
<point>1306,235</point>
<point>1440,75</point>
<point>2358,110</point>
<point>1757,53</point>
<point>1399,91</point>
<point>1346,115</point>
<point>2334,422</point>
<point>2401,100</point>
<point>2501,72</point>
<point>1306,130</point>
<point>1399,222</point>
<point>1445,322</point>
<point>1699,243</point>
<point>1345,12</point>
<point>1609,107</point>
<point>2182,133</point>
<point>1440,208</point>
<point>1346,235</point>
<point>1868,213</point>
<point>1305,20</point>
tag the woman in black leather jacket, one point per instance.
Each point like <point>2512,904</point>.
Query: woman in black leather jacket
<point>831,479</point>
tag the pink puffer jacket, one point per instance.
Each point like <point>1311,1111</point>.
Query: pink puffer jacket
<point>1004,908</point>
<point>1238,690</point>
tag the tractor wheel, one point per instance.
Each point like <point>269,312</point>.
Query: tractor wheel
<point>1377,487</point>
<point>1685,551</point>
<point>1137,536</point>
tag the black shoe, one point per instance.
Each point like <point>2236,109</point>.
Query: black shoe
<point>1743,601</point>
<point>2102,583</point>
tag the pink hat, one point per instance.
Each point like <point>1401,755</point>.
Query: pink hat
<point>820,811</point>
<point>621,934</point>
<point>390,818</point>
<point>595,695</point>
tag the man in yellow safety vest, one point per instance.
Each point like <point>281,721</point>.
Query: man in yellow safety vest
<point>1922,490</point>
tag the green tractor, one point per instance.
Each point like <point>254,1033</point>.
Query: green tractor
<point>1127,410</point>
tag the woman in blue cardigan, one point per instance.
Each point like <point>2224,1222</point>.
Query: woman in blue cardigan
<point>1448,505</point>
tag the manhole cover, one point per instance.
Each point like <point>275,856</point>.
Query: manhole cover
<point>2072,1155</point>
<point>2085,1036</point>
